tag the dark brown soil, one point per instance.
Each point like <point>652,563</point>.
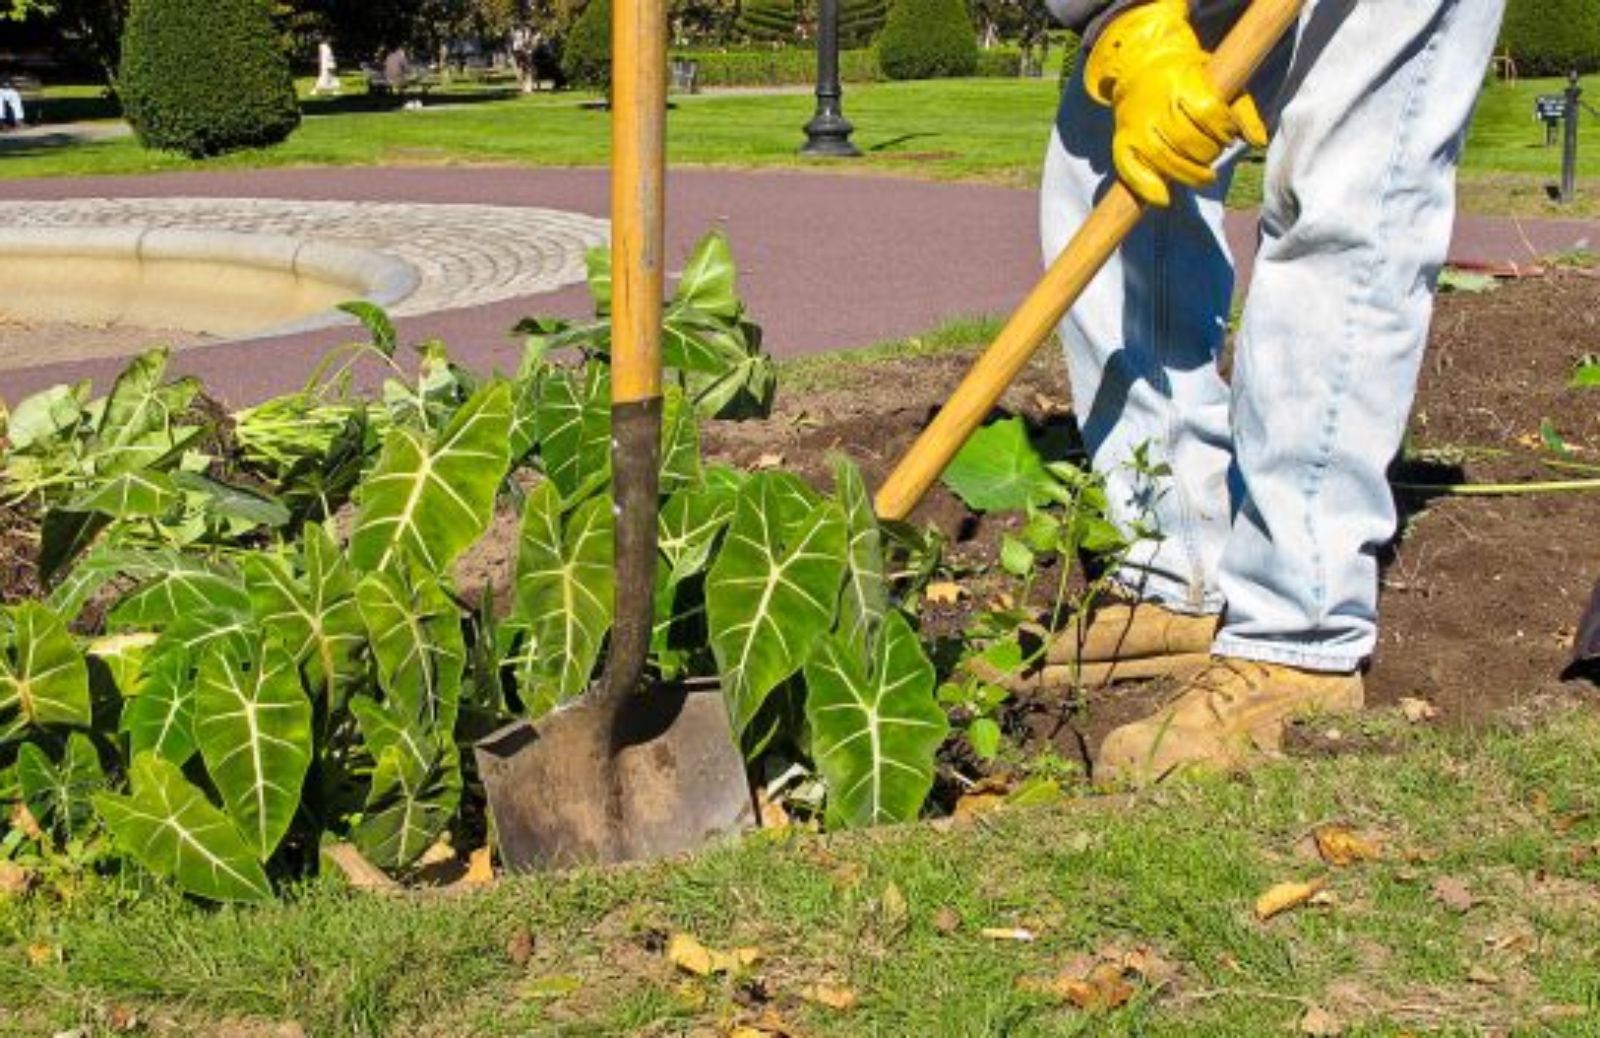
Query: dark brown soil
<point>1480,596</point>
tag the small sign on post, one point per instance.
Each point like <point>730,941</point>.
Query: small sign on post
<point>1550,109</point>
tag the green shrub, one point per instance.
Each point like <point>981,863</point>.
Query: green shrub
<point>999,63</point>
<point>786,66</point>
<point>586,57</point>
<point>206,78</point>
<point>768,21</point>
<point>928,39</point>
<point>1552,37</point>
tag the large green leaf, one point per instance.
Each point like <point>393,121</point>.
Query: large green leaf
<point>774,588</point>
<point>136,429</point>
<point>43,677</point>
<point>874,728</point>
<point>573,424</point>
<point>223,502</point>
<point>431,497</point>
<point>59,793</point>
<point>407,811</point>
<point>253,722</point>
<point>709,281</point>
<point>688,528</point>
<point>43,416</point>
<point>160,719</point>
<point>865,597</point>
<point>186,586</point>
<point>415,632</point>
<point>173,830</point>
<point>1000,470</point>
<point>315,617</point>
<point>565,592</point>
<point>680,443</point>
<point>129,495</point>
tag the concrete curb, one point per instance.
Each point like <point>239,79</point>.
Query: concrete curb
<point>372,276</point>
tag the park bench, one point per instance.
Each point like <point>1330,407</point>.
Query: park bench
<point>418,81</point>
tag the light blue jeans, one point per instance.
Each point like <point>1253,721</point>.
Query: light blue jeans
<point>1278,504</point>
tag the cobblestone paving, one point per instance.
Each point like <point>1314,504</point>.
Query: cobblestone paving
<point>465,255</point>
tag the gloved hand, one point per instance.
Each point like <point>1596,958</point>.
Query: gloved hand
<point>1171,124</point>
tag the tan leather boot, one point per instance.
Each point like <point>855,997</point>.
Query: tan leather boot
<point>1233,712</point>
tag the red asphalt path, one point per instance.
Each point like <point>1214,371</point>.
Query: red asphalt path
<point>826,262</point>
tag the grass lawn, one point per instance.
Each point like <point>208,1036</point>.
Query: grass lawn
<point>992,130</point>
<point>1476,918</point>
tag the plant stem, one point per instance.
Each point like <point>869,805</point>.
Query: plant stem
<point>1571,486</point>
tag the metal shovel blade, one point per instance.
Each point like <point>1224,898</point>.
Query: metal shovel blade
<point>587,785</point>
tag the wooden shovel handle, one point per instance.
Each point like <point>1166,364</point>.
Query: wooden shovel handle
<point>1258,30</point>
<point>638,196</point>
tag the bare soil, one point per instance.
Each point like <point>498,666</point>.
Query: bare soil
<point>1480,596</point>
<point>27,345</point>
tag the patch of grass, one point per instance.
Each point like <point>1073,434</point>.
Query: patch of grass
<point>1176,869</point>
<point>973,129</point>
<point>836,369</point>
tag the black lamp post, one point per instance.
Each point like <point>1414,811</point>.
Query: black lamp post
<point>828,132</point>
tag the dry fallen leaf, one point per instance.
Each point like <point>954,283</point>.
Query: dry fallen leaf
<point>773,815</point>
<point>769,461</point>
<point>1341,846</point>
<point>1099,990</point>
<point>1453,894</point>
<point>40,954</point>
<point>830,995</point>
<point>974,805</point>
<point>14,879</point>
<point>1418,711</point>
<point>438,854</point>
<point>1319,1023</point>
<point>944,592</point>
<point>519,948</point>
<point>689,955</point>
<point>1003,933</point>
<point>1482,975</point>
<point>22,818</point>
<point>768,1025</point>
<point>1285,896</point>
<point>480,868</point>
<point>947,920</point>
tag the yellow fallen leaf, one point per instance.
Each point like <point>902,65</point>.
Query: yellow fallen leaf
<point>944,592</point>
<point>1319,1023</point>
<point>1342,846</point>
<point>438,854</point>
<point>41,954</point>
<point>480,868</point>
<point>1005,933</point>
<point>22,818</point>
<point>689,955</point>
<point>773,814</point>
<point>832,996</point>
<point>549,989</point>
<point>1418,711</point>
<point>768,1025</point>
<point>1101,989</point>
<point>14,879</point>
<point>1285,896</point>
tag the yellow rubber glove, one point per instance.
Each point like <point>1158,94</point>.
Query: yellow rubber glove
<point>1171,124</point>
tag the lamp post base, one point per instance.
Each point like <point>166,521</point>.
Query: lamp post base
<point>828,137</point>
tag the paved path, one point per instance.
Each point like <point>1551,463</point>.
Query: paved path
<point>827,262</point>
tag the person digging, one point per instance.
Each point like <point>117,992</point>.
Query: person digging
<point>1260,595</point>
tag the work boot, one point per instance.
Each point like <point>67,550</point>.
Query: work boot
<point>1232,712</point>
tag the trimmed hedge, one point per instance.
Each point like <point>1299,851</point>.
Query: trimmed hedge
<point>1552,37</point>
<point>928,39</point>
<point>770,21</point>
<point>999,63</point>
<point>586,54</point>
<point>788,66</point>
<point>860,21</point>
<point>205,78</point>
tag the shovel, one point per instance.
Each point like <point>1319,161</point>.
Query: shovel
<point>628,771</point>
<point>1252,38</point>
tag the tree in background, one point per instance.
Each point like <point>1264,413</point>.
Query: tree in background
<point>206,78</point>
<point>1016,21</point>
<point>93,28</point>
<point>927,39</point>
<point>1552,37</point>
<point>586,55</point>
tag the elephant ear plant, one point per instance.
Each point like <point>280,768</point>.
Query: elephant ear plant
<point>250,639</point>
